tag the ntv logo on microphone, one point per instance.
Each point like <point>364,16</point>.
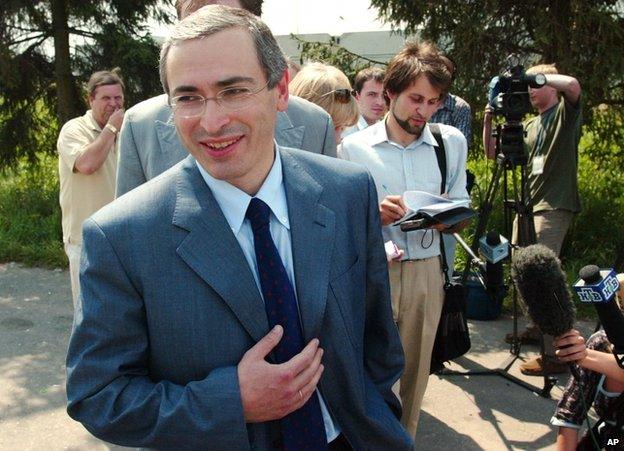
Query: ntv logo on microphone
<point>601,291</point>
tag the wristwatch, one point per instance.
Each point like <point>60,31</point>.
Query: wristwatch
<point>111,128</point>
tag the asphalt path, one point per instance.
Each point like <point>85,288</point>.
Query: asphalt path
<point>459,412</point>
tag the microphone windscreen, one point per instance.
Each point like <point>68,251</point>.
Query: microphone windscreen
<point>537,275</point>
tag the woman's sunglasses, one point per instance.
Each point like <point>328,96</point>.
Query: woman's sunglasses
<point>342,95</point>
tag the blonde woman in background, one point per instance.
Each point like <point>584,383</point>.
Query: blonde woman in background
<point>329,88</point>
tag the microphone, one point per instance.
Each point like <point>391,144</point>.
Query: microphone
<point>599,287</point>
<point>494,249</point>
<point>537,275</point>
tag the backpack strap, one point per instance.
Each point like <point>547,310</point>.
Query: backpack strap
<point>440,154</point>
<point>441,157</point>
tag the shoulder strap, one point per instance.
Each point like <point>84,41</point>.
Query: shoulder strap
<point>441,157</point>
<point>440,154</point>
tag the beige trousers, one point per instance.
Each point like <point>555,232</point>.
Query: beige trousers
<point>551,227</point>
<point>73,254</point>
<point>417,289</point>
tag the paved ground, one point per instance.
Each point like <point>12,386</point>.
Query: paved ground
<point>459,412</point>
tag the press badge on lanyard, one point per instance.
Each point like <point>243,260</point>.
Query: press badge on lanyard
<point>538,165</point>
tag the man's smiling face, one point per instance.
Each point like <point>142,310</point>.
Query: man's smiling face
<point>234,146</point>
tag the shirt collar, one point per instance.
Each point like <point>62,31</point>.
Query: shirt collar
<point>361,123</point>
<point>380,135</point>
<point>234,202</point>
<point>92,122</point>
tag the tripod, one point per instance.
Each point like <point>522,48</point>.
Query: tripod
<point>520,207</point>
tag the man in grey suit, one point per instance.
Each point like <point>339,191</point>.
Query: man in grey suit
<point>149,144</point>
<point>181,339</point>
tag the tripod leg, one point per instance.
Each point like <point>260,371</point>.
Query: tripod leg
<point>485,210</point>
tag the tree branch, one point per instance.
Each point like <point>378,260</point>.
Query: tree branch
<point>40,36</point>
<point>25,30</point>
<point>83,33</point>
<point>338,46</point>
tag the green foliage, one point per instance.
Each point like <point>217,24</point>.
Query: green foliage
<point>48,48</point>
<point>585,39</point>
<point>137,56</point>
<point>597,235</point>
<point>30,216</point>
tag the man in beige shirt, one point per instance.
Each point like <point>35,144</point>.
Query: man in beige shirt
<point>87,147</point>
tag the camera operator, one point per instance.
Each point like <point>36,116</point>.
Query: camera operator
<point>551,142</point>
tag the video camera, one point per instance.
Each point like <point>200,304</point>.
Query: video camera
<point>509,92</point>
<point>509,97</point>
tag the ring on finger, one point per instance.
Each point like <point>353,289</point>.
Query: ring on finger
<point>300,395</point>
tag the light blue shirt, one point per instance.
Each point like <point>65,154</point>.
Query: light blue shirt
<point>361,124</point>
<point>396,169</point>
<point>233,203</point>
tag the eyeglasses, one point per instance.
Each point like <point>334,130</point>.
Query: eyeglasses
<point>230,99</point>
<point>342,95</point>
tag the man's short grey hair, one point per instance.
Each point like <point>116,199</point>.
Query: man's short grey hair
<point>212,19</point>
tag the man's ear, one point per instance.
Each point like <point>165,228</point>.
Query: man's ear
<point>282,92</point>
<point>389,97</point>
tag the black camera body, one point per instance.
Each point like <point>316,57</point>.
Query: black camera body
<point>512,97</point>
<point>509,97</point>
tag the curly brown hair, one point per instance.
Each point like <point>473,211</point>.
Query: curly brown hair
<point>414,60</point>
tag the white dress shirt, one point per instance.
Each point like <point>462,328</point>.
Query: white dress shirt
<point>361,124</point>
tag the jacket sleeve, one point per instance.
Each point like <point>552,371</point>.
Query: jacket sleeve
<point>109,388</point>
<point>129,170</point>
<point>329,139</point>
<point>383,353</point>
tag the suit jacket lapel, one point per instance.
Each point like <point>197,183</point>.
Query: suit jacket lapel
<point>286,134</point>
<point>312,234</point>
<point>212,251</point>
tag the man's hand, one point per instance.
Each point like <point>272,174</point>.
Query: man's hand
<point>116,119</point>
<point>269,391</point>
<point>570,347</point>
<point>455,229</point>
<point>392,209</point>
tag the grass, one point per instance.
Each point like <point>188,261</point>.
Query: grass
<point>30,216</point>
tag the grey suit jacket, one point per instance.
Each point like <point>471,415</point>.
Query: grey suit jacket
<point>170,306</point>
<point>149,143</point>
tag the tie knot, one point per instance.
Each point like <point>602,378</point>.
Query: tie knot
<point>258,214</point>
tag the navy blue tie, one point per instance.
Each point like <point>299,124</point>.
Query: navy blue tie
<point>302,429</point>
